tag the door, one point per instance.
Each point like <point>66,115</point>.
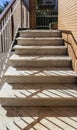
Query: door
<point>45,14</point>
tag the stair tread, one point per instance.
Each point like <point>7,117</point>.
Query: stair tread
<point>39,31</point>
<point>60,96</point>
<point>39,58</point>
<point>61,92</point>
<point>47,41</point>
<point>36,38</point>
<point>39,47</point>
<point>40,50</point>
<point>42,86</point>
<point>39,72</point>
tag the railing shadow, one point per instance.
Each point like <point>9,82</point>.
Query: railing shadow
<point>39,91</point>
<point>40,118</point>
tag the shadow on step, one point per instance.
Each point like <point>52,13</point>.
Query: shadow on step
<point>38,91</point>
<point>39,118</point>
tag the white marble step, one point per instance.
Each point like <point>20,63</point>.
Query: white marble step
<point>40,41</point>
<point>40,50</point>
<point>40,61</point>
<point>38,97</point>
<point>19,75</point>
<point>39,33</point>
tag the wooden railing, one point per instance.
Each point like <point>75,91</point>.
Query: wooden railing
<point>15,16</point>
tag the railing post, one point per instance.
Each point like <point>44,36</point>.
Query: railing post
<point>32,14</point>
<point>0,43</point>
<point>21,13</point>
<point>12,24</point>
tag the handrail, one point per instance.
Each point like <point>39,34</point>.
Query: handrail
<point>71,44</point>
<point>70,32</point>
<point>2,15</point>
<point>75,41</point>
<point>14,16</point>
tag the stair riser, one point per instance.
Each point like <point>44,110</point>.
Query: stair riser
<point>36,42</point>
<point>43,86</point>
<point>37,102</point>
<point>40,79</point>
<point>42,63</point>
<point>40,34</point>
<point>41,51</point>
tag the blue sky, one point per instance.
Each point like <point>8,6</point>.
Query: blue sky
<point>2,1</point>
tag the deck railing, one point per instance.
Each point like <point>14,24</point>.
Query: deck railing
<point>15,16</point>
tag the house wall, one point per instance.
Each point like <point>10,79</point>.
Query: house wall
<point>67,20</point>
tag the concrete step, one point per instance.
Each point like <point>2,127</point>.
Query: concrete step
<point>18,75</point>
<point>42,86</point>
<point>40,61</point>
<point>38,118</point>
<point>60,96</point>
<point>40,41</point>
<point>40,33</point>
<point>40,50</point>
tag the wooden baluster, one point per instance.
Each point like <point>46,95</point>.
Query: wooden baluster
<point>12,24</point>
<point>21,15</point>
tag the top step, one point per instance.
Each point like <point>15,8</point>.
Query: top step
<point>39,33</point>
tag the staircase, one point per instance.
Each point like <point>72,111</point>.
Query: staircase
<point>40,75</point>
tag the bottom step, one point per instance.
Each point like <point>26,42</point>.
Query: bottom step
<point>38,118</point>
<point>56,96</point>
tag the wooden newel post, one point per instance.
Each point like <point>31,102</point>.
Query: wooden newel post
<point>21,14</point>
<point>12,24</point>
<point>32,14</point>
